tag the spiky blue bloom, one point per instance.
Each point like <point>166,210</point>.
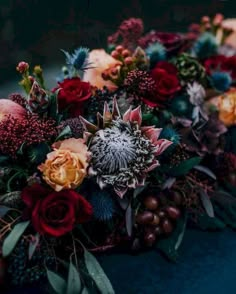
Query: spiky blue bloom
<point>78,59</point>
<point>156,52</point>
<point>205,46</point>
<point>171,135</point>
<point>103,205</point>
<point>221,81</point>
<point>180,105</point>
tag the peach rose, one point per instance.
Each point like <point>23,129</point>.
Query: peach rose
<point>100,62</point>
<point>227,107</point>
<point>66,166</point>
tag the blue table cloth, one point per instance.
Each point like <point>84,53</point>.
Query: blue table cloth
<point>206,265</point>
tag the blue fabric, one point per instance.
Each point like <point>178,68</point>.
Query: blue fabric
<point>206,265</point>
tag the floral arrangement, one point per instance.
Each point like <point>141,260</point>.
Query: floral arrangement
<point>133,145</point>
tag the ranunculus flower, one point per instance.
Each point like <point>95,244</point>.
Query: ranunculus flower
<point>100,61</point>
<point>72,94</point>
<point>66,166</point>
<point>167,84</point>
<point>227,107</point>
<point>55,213</point>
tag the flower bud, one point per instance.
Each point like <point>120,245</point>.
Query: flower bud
<point>119,48</point>
<point>22,67</point>
<point>128,60</point>
<point>115,54</point>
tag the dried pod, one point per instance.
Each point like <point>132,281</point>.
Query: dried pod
<point>167,226</point>
<point>149,239</point>
<point>151,203</point>
<point>173,212</point>
<point>145,218</point>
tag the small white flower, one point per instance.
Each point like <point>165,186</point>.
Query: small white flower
<point>197,93</point>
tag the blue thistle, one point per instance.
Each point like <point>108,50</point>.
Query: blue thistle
<point>205,46</point>
<point>78,59</point>
<point>103,205</point>
<point>171,135</point>
<point>180,106</point>
<point>221,81</point>
<point>156,52</point>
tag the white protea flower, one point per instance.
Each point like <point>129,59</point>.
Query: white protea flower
<point>196,93</point>
<point>123,152</point>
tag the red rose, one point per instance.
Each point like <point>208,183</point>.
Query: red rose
<point>55,213</point>
<point>167,84</point>
<point>221,63</point>
<point>73,92</point>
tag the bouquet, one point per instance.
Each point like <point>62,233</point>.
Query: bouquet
<point>134,144</point>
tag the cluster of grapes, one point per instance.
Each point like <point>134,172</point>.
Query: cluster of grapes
<point>157,216</point>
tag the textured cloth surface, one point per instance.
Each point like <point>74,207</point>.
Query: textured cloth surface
<point>206,265</point>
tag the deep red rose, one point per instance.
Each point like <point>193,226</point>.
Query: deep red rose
<point>73,92</point>
<point>167,84</point>
<point>221,63</point>
<point>55,213</point>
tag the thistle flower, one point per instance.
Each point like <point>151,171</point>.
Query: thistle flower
<point>205,46</point>
<point>103,205</point>
<point>221,81</point>
<point>156,52</point>
<point>78,59</point>
<point>180,105</point>
<point>170,134</point>
<point>123,152</point>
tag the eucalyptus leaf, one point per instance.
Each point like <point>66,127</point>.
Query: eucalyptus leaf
<point>184,167</point>
<point>85,291</point>
<point>4,210</point>
<point>38,153</point>
<point>53,106</point>
<point>170,245</point>
<point>97,274</point>
<point>73,281</point>
<point>168,183</point>
<point>58,283</point>
<point>206,202</point>
<point>205,170</point>
<point>11,240</point>
<point>140,189</point>
<point>3,159</point>
<point>65,133</point>
<point>33,245</point>
<point>129,220</point>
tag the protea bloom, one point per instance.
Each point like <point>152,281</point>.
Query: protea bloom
<point>123,152</point>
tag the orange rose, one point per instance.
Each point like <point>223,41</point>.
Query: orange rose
<point>66,166</point>
<point>227,107</point>
<point>100,61</point>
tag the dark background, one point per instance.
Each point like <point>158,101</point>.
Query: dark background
<point>35,30</point>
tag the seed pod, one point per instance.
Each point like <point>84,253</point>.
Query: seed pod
<point>158,231</point>
<point>176,197</point>
<point>149,239</point>
<point>156,220</point>
<point>173,212</point>
<point>167,226</point>
<point>161,213</point>
<point>151,203</point>
<point>145,218</point>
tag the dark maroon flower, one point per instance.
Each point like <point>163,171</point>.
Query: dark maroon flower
<point>55,213</point>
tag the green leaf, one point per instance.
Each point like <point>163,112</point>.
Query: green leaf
<point>206,171</point>
<point>4,210</point>
<point>184,167</point>
<point>73,281</point>
<point>33,246</point>
<point>205,222</point>
<point>170,245</point>
<point>85,291</point>
<point>139,190</point>
<point>3,159</point>
<point>66,133</point>
<point>53,106</point>
<point>58,283</point>
<point>38,153</point>
<point>206,202</point>
<point>11,240</point>
<point>129,220</point>
<point>97,274</point>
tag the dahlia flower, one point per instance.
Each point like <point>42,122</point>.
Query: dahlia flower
<point>122,151</point>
